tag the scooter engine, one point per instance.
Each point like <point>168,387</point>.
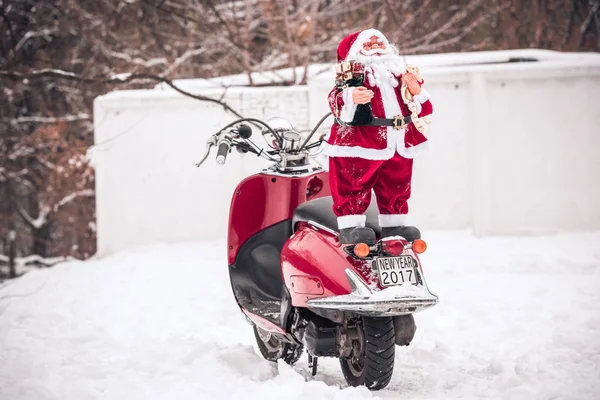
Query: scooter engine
<point>324,338</point>
<point>320,340</point>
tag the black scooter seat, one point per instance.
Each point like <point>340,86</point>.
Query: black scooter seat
<point>320,211</point>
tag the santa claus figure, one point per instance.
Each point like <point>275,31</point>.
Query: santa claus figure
<point>379,128</point>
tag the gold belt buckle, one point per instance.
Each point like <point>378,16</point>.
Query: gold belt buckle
<point>402,123</point>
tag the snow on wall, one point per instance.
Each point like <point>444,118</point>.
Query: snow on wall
<point>515,150</point>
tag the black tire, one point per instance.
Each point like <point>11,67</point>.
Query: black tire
<point>273,348</point>
<point>375,365</point>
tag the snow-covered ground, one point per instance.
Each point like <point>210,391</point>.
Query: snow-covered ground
<point>519,318</point>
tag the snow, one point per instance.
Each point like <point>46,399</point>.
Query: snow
<point>401,291</point>
<point>518,318</point>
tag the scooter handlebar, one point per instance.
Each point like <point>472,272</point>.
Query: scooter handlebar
<point>223,150</point>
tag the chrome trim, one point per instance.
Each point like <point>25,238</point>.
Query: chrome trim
<point>358,286</point>
<point>295,157</point>
<point>292,168</point>
<point>291,140</point>
<point>373,308</point>
<point>359,300</point>
<point>272,172</point>
<point>326,229</point>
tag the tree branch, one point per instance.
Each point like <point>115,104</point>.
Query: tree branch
<point>111,80</point>
<point>52,120</point>
<point>69,198</point>
<point>13,40</point>
<point>34,223</point>
<point>182,59</point>
<point>45,211</point>
<point>45,33</point>
<point>587,21</point>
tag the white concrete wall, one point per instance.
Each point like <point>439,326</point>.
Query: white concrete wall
<point>147,142</point>
<point>541,173</point>
<point>515,151</point>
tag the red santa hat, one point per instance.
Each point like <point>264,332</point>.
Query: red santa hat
<point>353,43</point>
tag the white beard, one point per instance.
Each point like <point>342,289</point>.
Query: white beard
<point>382,66</point>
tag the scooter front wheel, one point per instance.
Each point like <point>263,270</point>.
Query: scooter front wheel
<point>274,348</point>
<point>372,360</point>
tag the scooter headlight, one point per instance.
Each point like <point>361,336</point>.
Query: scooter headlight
<point>279,125</point>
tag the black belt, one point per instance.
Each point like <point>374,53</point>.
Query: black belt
<point>398,122</point>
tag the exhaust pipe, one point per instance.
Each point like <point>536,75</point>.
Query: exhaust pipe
<point>405,328</point>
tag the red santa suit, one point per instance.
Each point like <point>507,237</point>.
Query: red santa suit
<point>379,158</point>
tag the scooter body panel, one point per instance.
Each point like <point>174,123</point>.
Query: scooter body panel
<point>315,256</point>
<point>260,223</point>
<point>264,199</point>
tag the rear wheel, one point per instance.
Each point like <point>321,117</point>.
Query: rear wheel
<point>273,348</point>
<point>372,360</point>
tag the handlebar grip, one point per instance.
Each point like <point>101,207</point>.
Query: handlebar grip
<point>223,150</point>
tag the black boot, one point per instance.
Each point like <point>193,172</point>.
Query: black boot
<point>358,234</point>
<point>410,233</point>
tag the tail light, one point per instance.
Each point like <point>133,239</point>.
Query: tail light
<point>393,247</point>
<point>362,250</point>
<point>419,246</point>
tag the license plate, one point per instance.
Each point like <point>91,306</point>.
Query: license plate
<point>396,270</point>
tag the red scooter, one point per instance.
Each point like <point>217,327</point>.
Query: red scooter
<point>293,280</point>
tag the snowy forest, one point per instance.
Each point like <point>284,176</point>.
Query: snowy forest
<point>57,56</point>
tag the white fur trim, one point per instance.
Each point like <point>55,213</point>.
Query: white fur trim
<point>395,143</point>
<point>391,108</point>
<point>349,108</point>
<point>395,138</point>
<point>357,151</point>
<point>423,96</point>
<point>375,154</point>
<point>351,221</point>
<point>392,220</point>
<point>362,38</point>
<point>412,152</point>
